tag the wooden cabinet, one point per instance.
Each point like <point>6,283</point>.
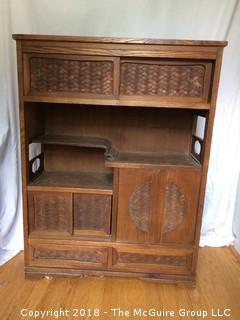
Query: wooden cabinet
<point>113,166</point>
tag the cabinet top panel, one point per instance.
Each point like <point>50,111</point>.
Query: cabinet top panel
<point>152,41</point>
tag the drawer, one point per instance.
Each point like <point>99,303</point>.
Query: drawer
<point>69,75</point>
<point>166,79</point>
<point>66,256</point>
<point>152,260</point>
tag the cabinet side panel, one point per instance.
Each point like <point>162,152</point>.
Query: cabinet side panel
<point>24,148</point>
<point>206,150</point>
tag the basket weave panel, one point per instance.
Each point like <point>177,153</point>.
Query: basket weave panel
<point>51,75</point>
<point>86,256</point>
<point>162,80</point>
<point>51,212</point>
<point>175,208</point>
<point>140,206</point>
<point>124,257</point>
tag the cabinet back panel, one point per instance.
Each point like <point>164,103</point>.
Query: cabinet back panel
<point>35,119</point>
<point>129,129</point>
<point>74,159</point>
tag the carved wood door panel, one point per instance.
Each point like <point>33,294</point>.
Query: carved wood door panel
<point>136,205</point>
<point>158,206</point>
<point>179,202</point>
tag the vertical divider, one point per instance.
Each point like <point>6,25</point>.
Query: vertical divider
<point>113,229</point>
<point>116,77</point>
<point>71,222</point>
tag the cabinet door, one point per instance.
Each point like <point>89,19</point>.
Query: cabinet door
<point>178,205</point>
<point>92,215</point>
<point>158,206</point>
<point>162,79</point>
<point>69,75</point>
<point>50,213</point>
<point>136,201</point>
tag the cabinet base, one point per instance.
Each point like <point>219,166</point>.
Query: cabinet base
<point>34,273</point>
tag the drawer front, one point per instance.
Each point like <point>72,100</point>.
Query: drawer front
<point>69,75</point>
<point>161,79</point>
<point>92,215</point>
<point>152,260</point>
<point>50,213</point>
<point>65,256</point>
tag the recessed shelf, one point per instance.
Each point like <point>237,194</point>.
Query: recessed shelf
<point>79,141</point>
<point>140,160</point>
<point>88,182</point>
<point>116,158</point>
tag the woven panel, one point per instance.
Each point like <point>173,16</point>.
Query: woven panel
<point>174,209</point>
<point>86,77</point>
<point>162,80</point>
<point>140,206</point>
<point>84,256</point>
<point>52,212</point>
<point>92,212</point>
<point>124,257</point>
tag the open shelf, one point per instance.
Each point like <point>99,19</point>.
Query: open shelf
<point>78,141</point>
<point>90,182</point>
<point>116,158</point>
<point>140,160</point>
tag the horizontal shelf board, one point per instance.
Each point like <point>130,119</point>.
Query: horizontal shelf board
<point>79,141</point>
<point>124,103</point>
<point>140,160</point>
<point>86,182</point>
<point>90,142</point>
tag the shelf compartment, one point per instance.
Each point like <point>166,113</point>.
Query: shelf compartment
<point>77,141</point>
<point>141,160</point>
<point>85,182</point>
